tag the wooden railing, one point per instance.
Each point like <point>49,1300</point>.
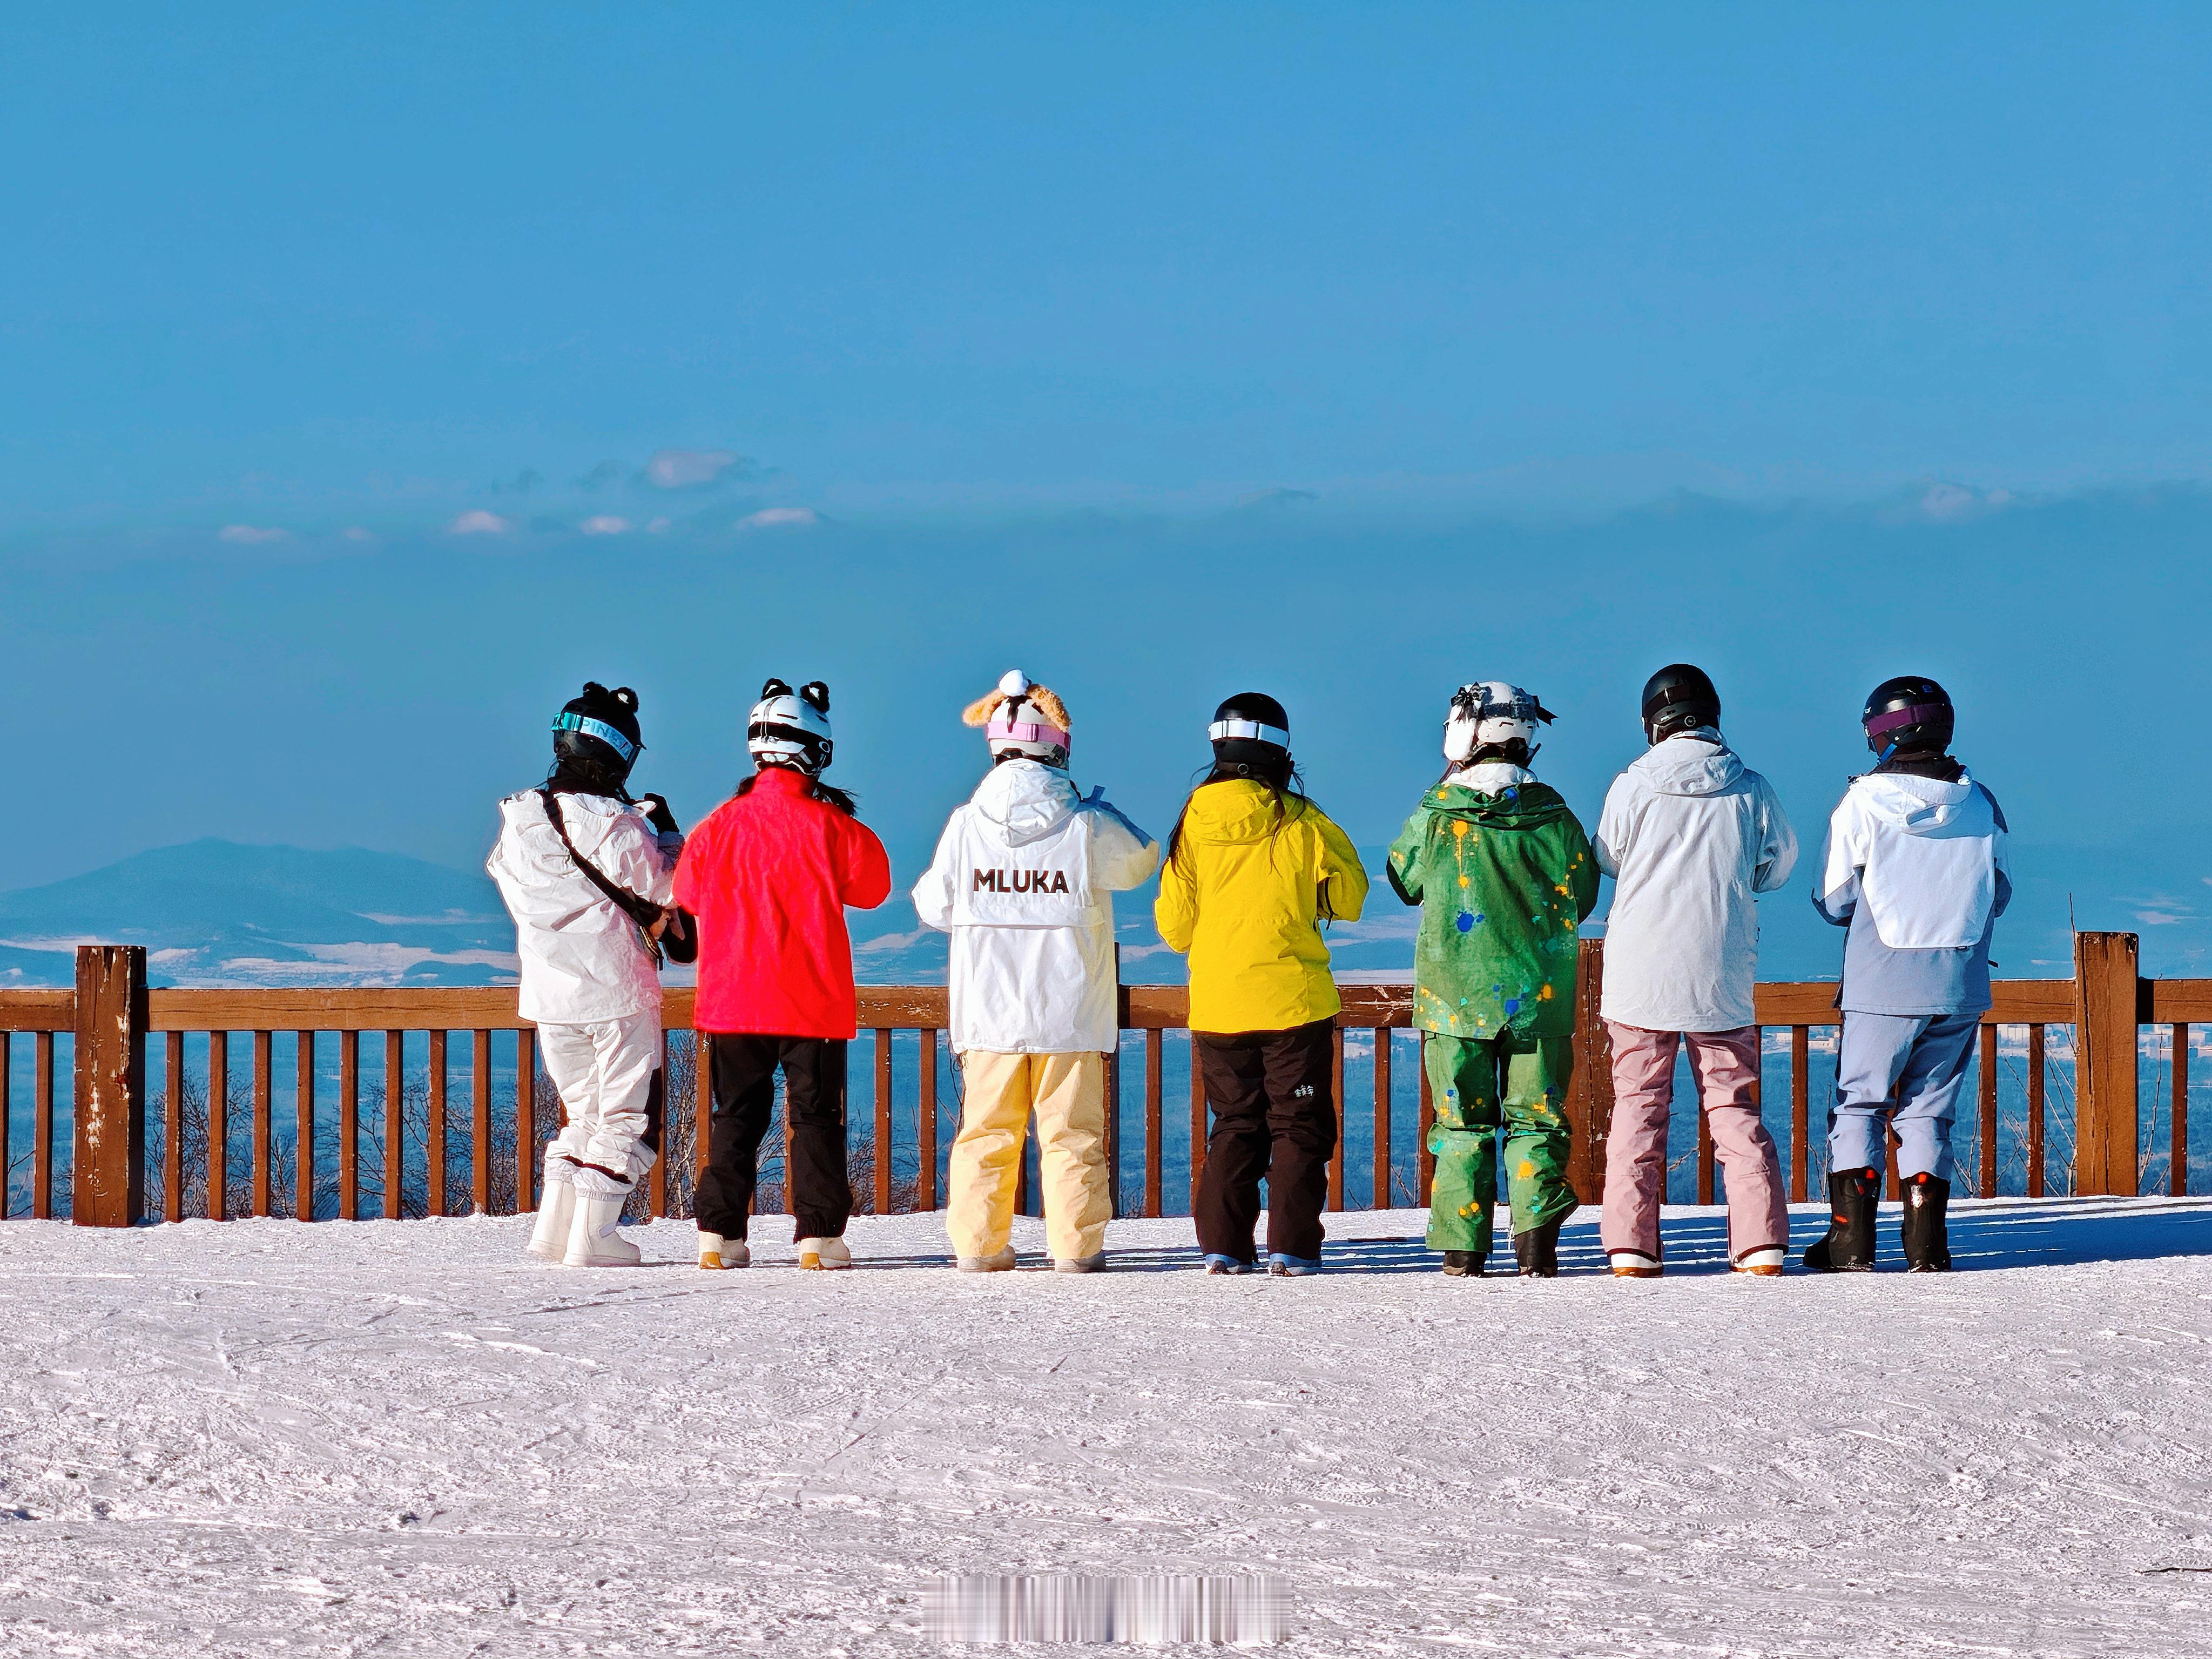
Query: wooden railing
<point>112,1024</point>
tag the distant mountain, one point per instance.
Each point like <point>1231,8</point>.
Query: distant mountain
<point>217,912</point>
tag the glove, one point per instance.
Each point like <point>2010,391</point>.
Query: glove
<point>657,813</point>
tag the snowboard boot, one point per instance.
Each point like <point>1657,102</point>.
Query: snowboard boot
<point>1283,1266</point>
<point>1926,1224</point>
<point>1848,1245</point>
<point>1081,1264</point>
<point>1462,1264</point>
<point>1228,1266</point>
<point>1538,1250</point>
<point>1634,1264</point>
<point>824,1255</point>
<point>557,1210</point>
<point>593,1240</point>
<point>716,1252</point>
<point>999,1261</point>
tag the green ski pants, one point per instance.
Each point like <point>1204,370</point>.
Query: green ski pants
<point>1476,1085</point>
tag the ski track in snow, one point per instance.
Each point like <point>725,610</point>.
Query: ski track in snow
<point>407,1438</point>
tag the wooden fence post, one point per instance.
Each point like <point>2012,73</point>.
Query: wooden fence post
<point>108,1180</point>
<point>1589,1092</point>
<point>2107,993</point>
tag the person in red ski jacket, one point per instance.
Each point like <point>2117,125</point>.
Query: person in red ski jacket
<point>768,875</point>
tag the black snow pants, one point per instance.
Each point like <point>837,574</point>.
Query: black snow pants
<point>818,1193</point>
<point>1274,1117</point>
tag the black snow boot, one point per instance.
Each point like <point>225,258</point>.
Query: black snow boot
<point>1927,1234</point>
<point>1462,1264</point>
<point>1848,1245</point>
<point>1539,1249</point>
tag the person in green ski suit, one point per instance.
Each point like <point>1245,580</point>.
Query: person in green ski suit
<point>1504,876</point>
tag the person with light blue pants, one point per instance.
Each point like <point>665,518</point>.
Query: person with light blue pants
<point>1915,867</point>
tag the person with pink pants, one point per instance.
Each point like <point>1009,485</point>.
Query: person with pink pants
<point>1690,835</point>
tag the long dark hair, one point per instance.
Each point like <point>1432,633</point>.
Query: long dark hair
<point>828,793</point>
<point>1281,781</point>
<point>581,775</point>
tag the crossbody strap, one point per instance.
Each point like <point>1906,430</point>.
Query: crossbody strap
<point>642,911</point>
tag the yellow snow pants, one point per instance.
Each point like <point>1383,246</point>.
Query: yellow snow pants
<point>1067,1093</point>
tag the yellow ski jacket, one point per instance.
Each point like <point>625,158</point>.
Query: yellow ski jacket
<point>1246,897</point>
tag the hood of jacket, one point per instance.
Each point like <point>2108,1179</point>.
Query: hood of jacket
<point>1921,807</point>
<point>1235,812</point>
<point>1687,765</point>
<point>1025,799</point>
<point>1522,806</point>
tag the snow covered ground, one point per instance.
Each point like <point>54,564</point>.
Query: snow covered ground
<point>405,1439</point>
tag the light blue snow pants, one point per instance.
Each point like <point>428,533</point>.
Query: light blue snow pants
<point>1923,1058</point>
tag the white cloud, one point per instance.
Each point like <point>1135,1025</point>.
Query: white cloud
<point>605,524</point>
<point>772,517</point>
<point>684,469</point>
<point>251,534</point>
<point>357,533</point>
<point>1948,501</point>
<point>477,522</point>
<point>656,526</point>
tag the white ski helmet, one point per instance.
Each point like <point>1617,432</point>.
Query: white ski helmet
<point>791,728</point>
<point>1022,720</point>
<point>1491,713</point>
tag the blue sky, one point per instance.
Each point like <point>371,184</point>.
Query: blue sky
<point>367,380</point>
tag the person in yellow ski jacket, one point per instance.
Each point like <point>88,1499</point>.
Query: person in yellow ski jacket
<point>1253,870</point>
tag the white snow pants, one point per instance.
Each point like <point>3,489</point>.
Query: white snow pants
<point>604,1073</point>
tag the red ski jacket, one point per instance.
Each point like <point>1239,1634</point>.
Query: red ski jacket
<point>768,875</point>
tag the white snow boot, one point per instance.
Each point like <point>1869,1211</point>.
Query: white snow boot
<point>592,1240</point>
<point>556,1206</point>
<point>1634,1264</point>
<point>999,1261</point>
<point>716,1252</point>
<point>1766,1264</point>
<point>827,1255</point>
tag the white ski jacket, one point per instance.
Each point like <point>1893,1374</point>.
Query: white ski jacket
<point>1024,880</point>
<point>1688,836</point>
<point>1921,855</point>
<point>583,960</point>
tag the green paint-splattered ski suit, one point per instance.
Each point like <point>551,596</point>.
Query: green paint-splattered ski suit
<point>1504,882</point>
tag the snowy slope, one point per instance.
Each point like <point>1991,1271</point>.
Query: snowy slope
<point>404,1438</point>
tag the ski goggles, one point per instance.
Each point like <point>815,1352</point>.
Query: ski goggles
<point>606,734</point>
<point>1896,719</point>
<point>1253,730</point>
<point>1025,732</point>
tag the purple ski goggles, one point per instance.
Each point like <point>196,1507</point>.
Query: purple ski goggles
<point>1896,719</point>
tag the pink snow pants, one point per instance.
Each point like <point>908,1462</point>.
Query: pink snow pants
<point>1726,1065</point>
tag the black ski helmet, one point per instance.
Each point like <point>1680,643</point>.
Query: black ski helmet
<point>1679,696</point>
<point>595,735</point>
<point>1910,712</point>
<point>1251,736</point>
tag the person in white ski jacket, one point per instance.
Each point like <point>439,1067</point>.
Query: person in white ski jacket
<point>590,973</point>
<point>1689,835</point>
<point>1915,867</point>
<point>1024,880</point>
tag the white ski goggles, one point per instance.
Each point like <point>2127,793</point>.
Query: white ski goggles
<point>1253,729</point>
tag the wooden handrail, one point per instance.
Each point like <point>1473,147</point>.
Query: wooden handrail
<point>908,1007</point>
